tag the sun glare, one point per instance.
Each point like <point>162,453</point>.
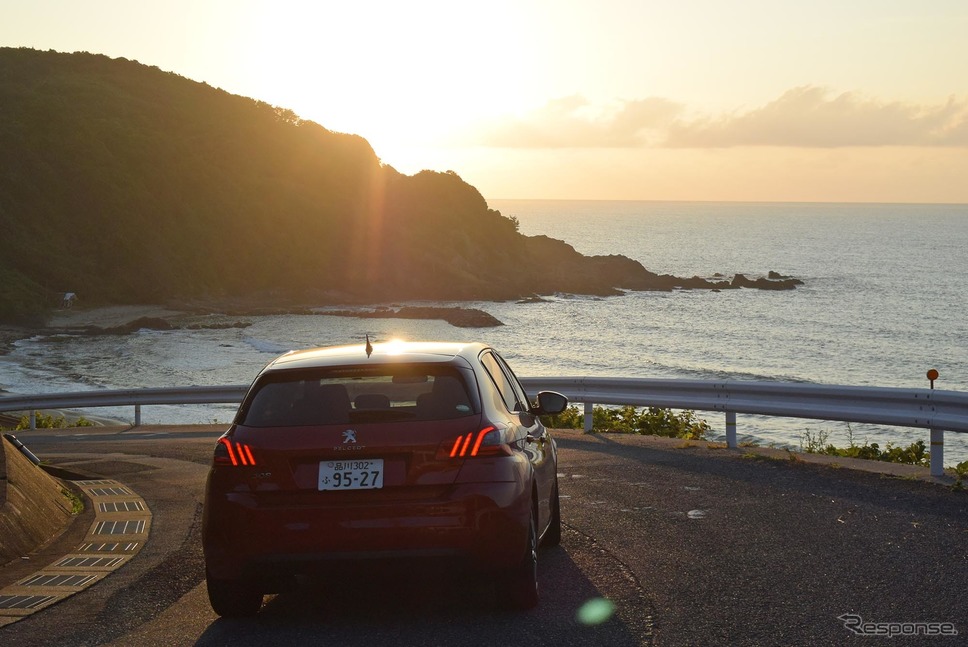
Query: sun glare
<point>394,346</point>
<point>405,77</point>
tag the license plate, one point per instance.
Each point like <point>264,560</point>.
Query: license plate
<point>357,474</point>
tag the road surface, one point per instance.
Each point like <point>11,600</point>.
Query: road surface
<point>692,545</point>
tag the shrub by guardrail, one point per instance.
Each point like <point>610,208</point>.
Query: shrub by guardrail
<point>49,421</point>
<point>914,454</point>
<point>653,421</point>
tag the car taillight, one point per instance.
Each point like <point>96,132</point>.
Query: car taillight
<point>229,453</point>
<point>489,441</point>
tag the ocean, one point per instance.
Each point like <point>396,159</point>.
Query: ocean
<point>884,300</point>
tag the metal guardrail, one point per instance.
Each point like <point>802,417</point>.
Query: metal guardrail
<point>935,410</point>
<point>931,409</point>
<point>124,397</point>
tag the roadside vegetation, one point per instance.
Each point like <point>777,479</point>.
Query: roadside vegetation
<point>916,453</point>
<point>656,421</point>
<point>77,503</point>
<point>49,421</point>
<point>652,421</point>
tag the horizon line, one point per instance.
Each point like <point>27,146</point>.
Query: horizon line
<point>668,201</point>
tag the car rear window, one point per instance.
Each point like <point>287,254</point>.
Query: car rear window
<point>357,395</point>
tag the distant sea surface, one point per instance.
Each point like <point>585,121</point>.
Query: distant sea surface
<point>884,300</point>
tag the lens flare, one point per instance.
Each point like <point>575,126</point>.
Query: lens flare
<point>595,611</point>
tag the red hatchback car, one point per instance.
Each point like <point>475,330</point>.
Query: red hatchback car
<point>356,454</point>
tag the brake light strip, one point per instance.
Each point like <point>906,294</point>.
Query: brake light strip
<point>480,437</point>
<point>463,442</point>
<point>245,456</point>
<point>228,446</point>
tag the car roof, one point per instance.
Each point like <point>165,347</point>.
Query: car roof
<point>392,352</point>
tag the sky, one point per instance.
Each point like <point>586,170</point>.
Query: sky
<point>746,100</point>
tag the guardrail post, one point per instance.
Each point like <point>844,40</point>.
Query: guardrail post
<point>731,429</point>
<point>937,452</point>
<point>137,415</point>
<point>589,416</point>
<point>33,419</point>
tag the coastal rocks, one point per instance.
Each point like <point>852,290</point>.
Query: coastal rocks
<point>145,323</point>
<point>9,335</point>
<point>141,323</point>
<point>773,281</point>
<point>217,326</point>
<point>559,268</point>
<point>458,317</point>
<point>625,273</point>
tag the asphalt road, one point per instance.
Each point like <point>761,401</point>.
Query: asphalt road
<point>692,545</point>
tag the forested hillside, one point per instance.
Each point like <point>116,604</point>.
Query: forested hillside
<point>124,183</point>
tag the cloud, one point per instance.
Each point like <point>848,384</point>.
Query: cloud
<point>808,117</point>
<point>573,122</point>
<point>804,117</point>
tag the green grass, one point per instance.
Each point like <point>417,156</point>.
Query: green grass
<point>77,503</point>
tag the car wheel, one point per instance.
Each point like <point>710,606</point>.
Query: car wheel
<point>552,536</point>
<point>233,598</point>
<point>523,580</point>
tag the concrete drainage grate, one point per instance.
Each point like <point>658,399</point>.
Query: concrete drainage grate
<point>128,547</point>
<point>130,517</point>
<point>24,601</point>
<point>58,580</point>
<point>133,527</point>
<point>109,491</point>
<point>122,506</point>
<point>89,562</point>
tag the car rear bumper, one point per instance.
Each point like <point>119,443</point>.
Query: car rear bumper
<point>264,537</point>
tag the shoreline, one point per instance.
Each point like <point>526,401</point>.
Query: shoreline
<point>125,319</point>
<point>78,317</point>
<point>73,321</point>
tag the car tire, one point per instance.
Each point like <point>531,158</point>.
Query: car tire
<point>523,581</point>
<point>552,536</point>
<point>233,598</point>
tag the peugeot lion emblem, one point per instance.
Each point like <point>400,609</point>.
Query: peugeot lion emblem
<point>349,436</point>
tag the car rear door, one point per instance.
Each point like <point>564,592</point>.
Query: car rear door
<point>538,446</point>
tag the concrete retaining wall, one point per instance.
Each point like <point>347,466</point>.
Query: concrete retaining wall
<point>34,509</point>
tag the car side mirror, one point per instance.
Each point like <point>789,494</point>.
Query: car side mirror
<point>549,403</point>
